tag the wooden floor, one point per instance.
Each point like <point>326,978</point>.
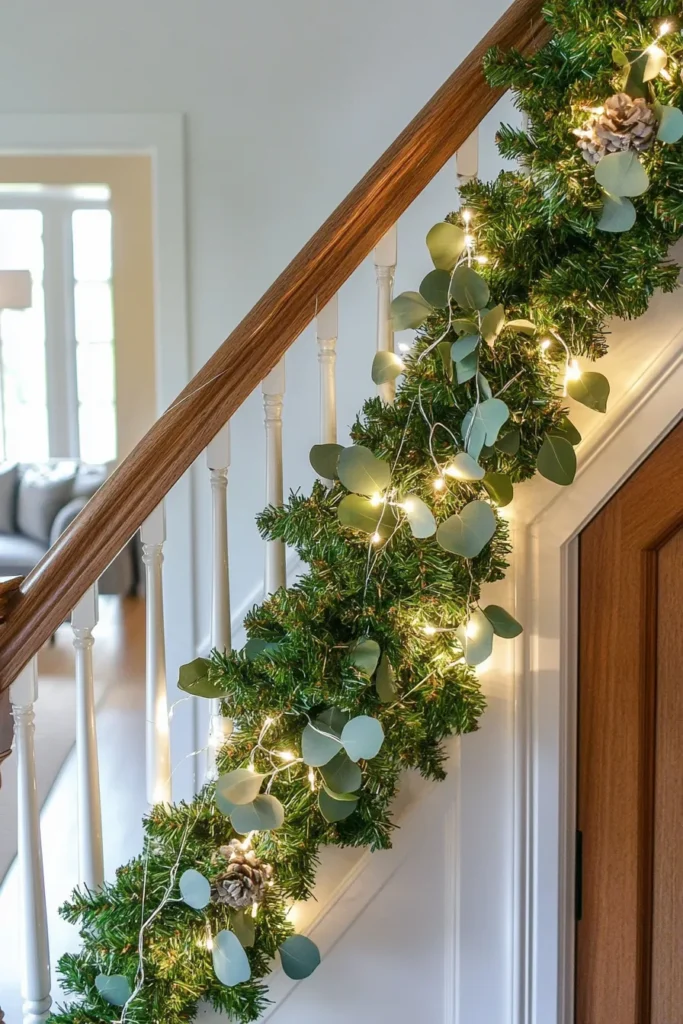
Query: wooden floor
<point>119,670</point>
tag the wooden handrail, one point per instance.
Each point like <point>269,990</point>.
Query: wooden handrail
<point>111,517</point>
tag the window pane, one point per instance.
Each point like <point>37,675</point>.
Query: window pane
<point>94,317</point>
<point>21,241</point>
<point>23,360</point>
<point>92,245</point>
<point>97,430</point>
<point>95,364</point>
<point>26,426</point>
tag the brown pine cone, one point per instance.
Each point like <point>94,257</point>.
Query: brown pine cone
<point>624,124</point>
<point>245,879</point>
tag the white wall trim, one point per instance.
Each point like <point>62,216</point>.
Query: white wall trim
<point>160,136</point>
<point>545,733</point>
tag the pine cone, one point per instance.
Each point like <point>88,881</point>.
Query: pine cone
<point>624,124</point>
<point>244,881</point>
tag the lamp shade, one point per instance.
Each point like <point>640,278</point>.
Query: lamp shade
<point>15,289</point>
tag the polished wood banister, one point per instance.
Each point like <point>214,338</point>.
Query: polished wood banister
<point>111,517</point>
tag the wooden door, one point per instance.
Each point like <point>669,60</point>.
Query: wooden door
<point>630,799</point>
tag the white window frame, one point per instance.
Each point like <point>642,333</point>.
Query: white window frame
<point>57,205</point>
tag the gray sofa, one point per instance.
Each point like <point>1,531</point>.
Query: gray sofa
<point>37,503</point>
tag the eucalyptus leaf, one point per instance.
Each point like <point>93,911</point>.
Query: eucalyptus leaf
<point>557,460</point>
<point>333,809</point>
<point>622,174</point>
<point>469,289</point>
<point>618,214</point>
<point>386,366</point>
<point>469,532</point>
<point>509,443</point>
<point>619,57</point>
<point>364,654</point>
<point>360,514</point>
<point>114,988</point>
<point>385,681</point>
<point>409,311</point>
<point>500,489</point>
<point>195,889</point>
<point>362,737</point>
<point>362,472</point>
<point>264,814</point>
<point>316,748</point>
<point>465,346</point>
<point>476,638</point>
<point>341,775</point>
<point>464,327</point>
<point>256,648</point>
<point>474,437</point>
<point>299,956</point>
<point>488,418</point>
<point>435,288</point>
<point>446,244</point>
<point>504,625</point>
<point>464,467</point>
<point>521,327</point>
<point>492,323</point>
<point>656,60</point>
<point>195,678</point>
<point>466,368</point>
<point>324,459</point>
<point>230,962</point>
<point>444,349</point>
<point>565,428</point>
<point>484,386</point>
<point>420,517</point>
<point>670,123</point>
<point>333,720</point>
<point>591,389</point>
<point>240,786</point>
<point>242,923</point>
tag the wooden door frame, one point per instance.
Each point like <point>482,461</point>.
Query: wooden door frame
<point>162,138</point>
<point>545,533</point>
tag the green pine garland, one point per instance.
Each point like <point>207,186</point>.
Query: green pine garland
<point>549,264</point>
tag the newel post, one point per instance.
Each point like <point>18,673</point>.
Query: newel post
<point>158,752</point>
<point>36,953</point>
<point>90,852</point>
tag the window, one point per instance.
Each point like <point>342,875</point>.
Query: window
<point>57,371</point>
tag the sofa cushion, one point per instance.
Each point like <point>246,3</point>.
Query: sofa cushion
<point>18,555</point>
<point>89,479</point>
<point>9,474</point>
<point>43,490</point>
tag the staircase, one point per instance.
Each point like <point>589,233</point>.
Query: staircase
<point>197,425</point>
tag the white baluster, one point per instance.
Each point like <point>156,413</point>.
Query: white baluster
<point>327,331</point>
<point>90,853</point>
<point>158,754</point>
<point>36,953</point>
<point>218,463</point>
<point>467,159</point>
<point>385,268</point>
<point>273,388</point>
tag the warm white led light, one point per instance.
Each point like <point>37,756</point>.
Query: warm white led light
<point>376,500</point>
<point>471,630</point>
<point>467,216</point>
<point>481,260</point>
<point>469,241</point>
<point>439,483</point>
<point>375,538</point>
<point>573,370</point>
<point>429,630</point>
<point>286,755</point>
<point>664,29</point>
<point>545,344</point>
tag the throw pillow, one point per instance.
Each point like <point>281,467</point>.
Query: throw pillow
<point>8,484</point>
<point>43,490</point>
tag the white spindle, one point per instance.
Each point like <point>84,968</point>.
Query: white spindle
<point>90,854</point>
<point>218,463</point>
<point>273,388</point>
<point>158,754</point>
<point>36,953</point>
<point>385,268</point>
<point>467,159</point>
<point>327,331</point>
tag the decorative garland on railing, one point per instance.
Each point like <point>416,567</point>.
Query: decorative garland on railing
<point>363,668</point>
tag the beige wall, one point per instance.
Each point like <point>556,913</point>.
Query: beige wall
<point>130,181</point>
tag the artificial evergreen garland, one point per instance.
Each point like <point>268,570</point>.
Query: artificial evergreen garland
<point>362,669</point>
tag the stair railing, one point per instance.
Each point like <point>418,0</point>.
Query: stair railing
<point>65,581</point>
